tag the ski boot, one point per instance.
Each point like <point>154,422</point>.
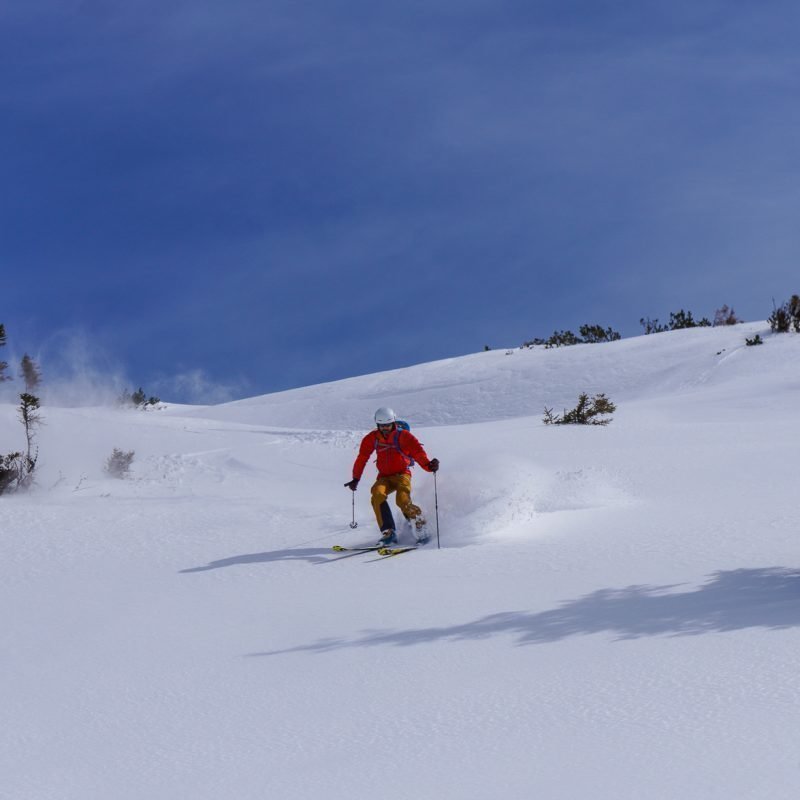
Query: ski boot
<point>388,537</point>
<point>420,530</point>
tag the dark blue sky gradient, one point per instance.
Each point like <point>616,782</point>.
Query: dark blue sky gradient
<point>281,193</point>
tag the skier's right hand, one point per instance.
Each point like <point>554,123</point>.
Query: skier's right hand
<point>352,485</point>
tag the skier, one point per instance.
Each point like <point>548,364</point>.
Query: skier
<point>397,450</point>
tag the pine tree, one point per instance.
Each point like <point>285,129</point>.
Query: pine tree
<point>3,364</point>
<point>31,374</point>
<point>16,469</point>
<point>31,418</point>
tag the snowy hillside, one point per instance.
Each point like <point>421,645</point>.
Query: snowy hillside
<point>613,612</point>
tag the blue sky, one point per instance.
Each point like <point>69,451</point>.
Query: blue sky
<point>220,199</point>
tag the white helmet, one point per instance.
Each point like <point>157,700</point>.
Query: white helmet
<point>384,416</point>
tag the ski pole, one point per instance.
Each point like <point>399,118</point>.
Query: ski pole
<point>436,502</point>
<point>354,524</point>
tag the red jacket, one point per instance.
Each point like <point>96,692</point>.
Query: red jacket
<point>395,452</point>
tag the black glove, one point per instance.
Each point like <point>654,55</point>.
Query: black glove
<point>353,485</point>
<point>433,465</point>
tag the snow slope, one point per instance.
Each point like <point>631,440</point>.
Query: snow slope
<point>613,612</point>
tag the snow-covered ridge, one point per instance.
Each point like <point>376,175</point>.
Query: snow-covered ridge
<point>506,384</point>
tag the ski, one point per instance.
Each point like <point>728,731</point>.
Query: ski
<point>365,549</point>
<point>379,549</point>
<point>388,552</point>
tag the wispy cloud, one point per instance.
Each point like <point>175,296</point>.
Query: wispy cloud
<point>77,370</point>
<point>196,387</point>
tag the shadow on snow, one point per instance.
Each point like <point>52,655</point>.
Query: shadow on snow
<point>729,601</point>
<point>314,555</point>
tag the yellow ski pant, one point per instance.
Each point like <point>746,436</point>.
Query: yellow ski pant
<point>381,490</point>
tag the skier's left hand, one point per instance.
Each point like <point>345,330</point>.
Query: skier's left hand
<point>352,485</point>
<point>433,465</point>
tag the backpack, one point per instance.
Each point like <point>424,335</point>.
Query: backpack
<point>400,425</point>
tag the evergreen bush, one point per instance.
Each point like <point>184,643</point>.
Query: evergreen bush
<point>590,334</point>
<point>118,464</point>
<point>593,334</point>
<point>137,399</point>
<point>787,317</point>
<point>586,412</point>
<point>677,321</point>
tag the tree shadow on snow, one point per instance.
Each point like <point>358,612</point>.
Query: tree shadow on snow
<point>729,601</point>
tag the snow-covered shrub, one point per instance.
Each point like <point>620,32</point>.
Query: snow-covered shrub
<point>12,469</point>
<point>754,341</point>
<point>16,471</point>
<point>587,412</point>
<point>119,463</point>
